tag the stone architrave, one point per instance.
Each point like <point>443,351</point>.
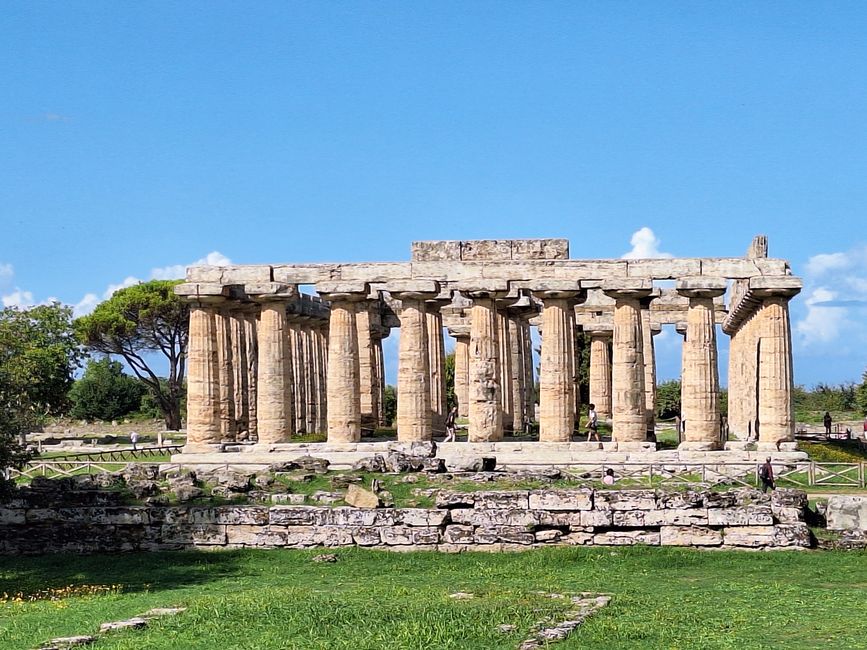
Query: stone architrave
<point>226,373</point>
<point>342,382</point>
<point>700,387</point>
<point>367,374</point>
<point>776,412</point>
<point>505,354</point>
<point>557,368</point>
<point>462,372</point>
<point>485,410</point>
<point>629,415</point>
<point>413,364</point>
<point>600,372</point>
<point>436,366</point>
<point>203,392</point>
<point>275,404</point>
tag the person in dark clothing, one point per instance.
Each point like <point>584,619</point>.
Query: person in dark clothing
<point>827,422</point>
<point>451,425</point>
<point>766,475</point>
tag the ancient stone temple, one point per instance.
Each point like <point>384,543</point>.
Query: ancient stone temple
<point>285,349</point>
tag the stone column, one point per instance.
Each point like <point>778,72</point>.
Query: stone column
<point>529,373</point>
<point>776,412</point>
<point>379,364</point>
<point>556,379</point>
<point>343,387</point>
<point>321,342</point>
<point>203,391</point>
<point>366,376</point>
<point>649,370</point>
<point>505,354</point>
<point>310,388</point>
<point>275,407</point>
<point>485,412</point>
<point>600,372</point>
<point>627,371</point>
<point>436,366</point>
<point>252,345</point>
<point>700,383</point>
<point>299,370</point>
<point>517,376</point>
<point>239,374</point>
<point>413,369</point>
<point>680,327</point>
<point>226,373</point>
<point>750,380</point>
<point>462,372</point>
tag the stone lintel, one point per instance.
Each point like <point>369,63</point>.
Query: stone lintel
<point>784,285</point>
<point>628,288</point>
<point>490,249</point>
<point>203,292</point>
<point>599,330</point>
<point>265,291</point>
<point>417,289</point>
<point>354,291</point>
<point>481,288</point>
<point>538,287</point>
<point>701,287</point>
<point>234,274</point>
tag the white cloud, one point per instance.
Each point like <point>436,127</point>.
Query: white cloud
<point>827,262</point>
<point>645,245</point>
<point>823,321</point>
<point>18,298</point>
<point>85,305</point>
<point>6,274</point>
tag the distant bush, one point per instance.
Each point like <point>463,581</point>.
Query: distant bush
<point>104,392</point>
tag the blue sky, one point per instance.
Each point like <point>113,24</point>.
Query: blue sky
<point>138,138</point>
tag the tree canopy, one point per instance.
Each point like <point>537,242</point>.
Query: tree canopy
<point>136,323</point>
<point>38,355</point>
<point>104,392</point>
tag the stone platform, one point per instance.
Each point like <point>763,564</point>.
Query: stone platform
<point>582,456</point>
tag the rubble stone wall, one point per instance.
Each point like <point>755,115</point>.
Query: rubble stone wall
<point>37,523</point>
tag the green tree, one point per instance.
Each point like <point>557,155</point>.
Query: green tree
<point>668,399</point>
<point>861,394</point>
<point>451,400</point>
<point>104,392</point>
<point>138,322</point>
<point>38,355</point>
<point>389,405</point>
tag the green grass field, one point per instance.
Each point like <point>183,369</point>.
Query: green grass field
<point>663,598</point>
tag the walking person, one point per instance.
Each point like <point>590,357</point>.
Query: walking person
<point>766,475</point>
<point>592,424</point>
<point>450,424</point>
<point>133,438</point>
<point>827,422</point>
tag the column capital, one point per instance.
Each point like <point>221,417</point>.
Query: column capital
<point>272,292</point>
<point>485,288</point>
<point>559,289</point>
<point>786,286</point>
<point>628,288</point>
<point>459,331</point>
<point>203,293</point>
<point>414,289</point>
<point>599,331</point>
<point>343,291</point>
<point>701,287</point>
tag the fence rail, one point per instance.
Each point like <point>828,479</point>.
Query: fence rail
<point>801,475</point>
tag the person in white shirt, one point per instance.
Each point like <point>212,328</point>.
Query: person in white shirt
<point>592,423</point>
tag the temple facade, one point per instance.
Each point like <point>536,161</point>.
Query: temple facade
<point>286,349</point>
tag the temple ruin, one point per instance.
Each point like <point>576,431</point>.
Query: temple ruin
<point>277,350</point>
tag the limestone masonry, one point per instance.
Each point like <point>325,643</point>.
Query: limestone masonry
<point>268,361</point>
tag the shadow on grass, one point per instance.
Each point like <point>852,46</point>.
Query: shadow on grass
<point>136,572</point>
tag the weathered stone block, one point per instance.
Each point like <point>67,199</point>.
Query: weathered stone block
<point>125,516</point>
<point>495,517</point>
<point>11,516</point>
<point>551,535</point>
<point>346,516</point>
<point>689,536</point>
<point>507,534</point>
<point>627,538</point>
<point>255,535</point>
<point>786,535</point>
<point>486,249</point>
<point>679,500</point>
<point>457,534</point>
<point>251,515</point>
<point>596,518</point>
<point>367,536</point>
<point>580,499</point>
<point>847,512</point>
<point>577,538</point>
<point>294,515</point>
<point>455,500</point>
<point>420,516</point>
<point>750,515</point>
<point>540,249</point>
<point>494,500</point>
<point>397,535</point>
<point>433,251</point>
<point>625,500</point>
<point>667,517</point>
<point>750,536</point>
<point>195,534</point>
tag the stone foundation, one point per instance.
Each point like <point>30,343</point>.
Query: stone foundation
<point>488,521</point>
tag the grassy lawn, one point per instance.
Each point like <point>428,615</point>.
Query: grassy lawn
<point>663,598</point>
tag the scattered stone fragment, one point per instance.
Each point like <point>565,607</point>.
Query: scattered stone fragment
<point>506,629</point>
<point>65,642</point>
<point>157,612</point>
<point>361,498</point>
<point>134,623</point>
<point>325,557</point>
<point>462,595</point>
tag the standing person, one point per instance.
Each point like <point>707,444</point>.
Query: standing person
<point>592,423</point>
<point>450,424</point>
<point>827,422</point>
<point>133,438</point>
<point>766,474</point>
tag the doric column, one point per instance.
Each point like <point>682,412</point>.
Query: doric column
<point>649,368</point>
<point>225,373</point>
<point>485,413</point>
<point>600,372</point>
<point>366,372</point>
<point>203,391</point>
<point>700,387</point>
<point>681,328</point>
<point>462,371</point>
<point>275,404</point>
<point>517,376</point>
<point>299,370</point>
<point>750,380</point>
<point>252,344</point>
<point>343,387</point>
<point>627,368</point>
<point>379,364</point>
<point>436,365</point>
<point>239,373</point>
<point>776,412</point>
<point>413,364</point>
<point>505,354</point>
<point>557,369</point>
<point>529,373</point>
<point>311,399</point>
<point>321,359</point>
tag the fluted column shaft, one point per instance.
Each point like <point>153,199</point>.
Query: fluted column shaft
<point>321,342</point>
<point>379,364</point>
<point>600,373</point>
<point>275,398</point>
<point>413,372</point>
<point>627,373</point>
<point>700,387</point>
<point>462,374</point>
<point>436,364</point>
<point>506,395</point>
<point>343,388</point>
<point>252,370</point>
<point>366,376</point>
<point>239,373</point>
<point>311,399</point>
<point>299,370</point>
<point>203,391</point>
<point>226,374</point>
<point>776,419</point>
<point>649,371</point>
<point>751,375</point>
<point>529,373</point>
<point>556,380</point>
<point>485,414</point>
<point>517,375</point>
